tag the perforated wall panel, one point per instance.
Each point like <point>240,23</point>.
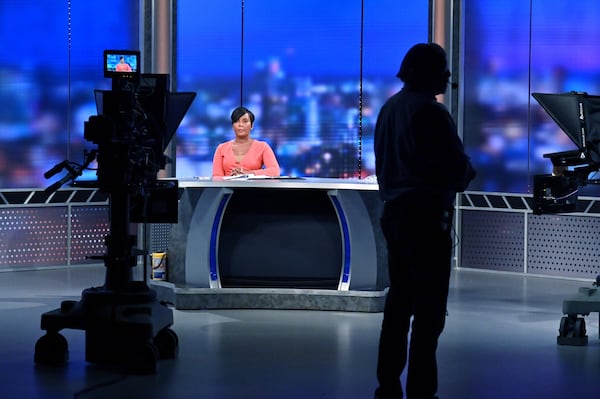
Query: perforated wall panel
<point>159,237</point>
<point>561,245</point>
<point>492,240</point>
<point>41,229</point>
<point>89,227</point>
<point>33,236</point>
<point>564,245</point>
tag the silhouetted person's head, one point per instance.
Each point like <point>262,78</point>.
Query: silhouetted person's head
<point>425,68</point>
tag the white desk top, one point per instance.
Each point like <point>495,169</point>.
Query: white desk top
<point>283,182</point>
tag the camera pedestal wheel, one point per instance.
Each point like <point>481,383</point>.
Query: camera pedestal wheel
<point>572,331</point>
<point>52,349</point>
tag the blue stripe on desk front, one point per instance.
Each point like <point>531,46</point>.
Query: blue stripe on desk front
<point>214,237</point>
<point>346,238</point>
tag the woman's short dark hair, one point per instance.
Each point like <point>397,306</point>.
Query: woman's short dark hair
<point>239,112</point>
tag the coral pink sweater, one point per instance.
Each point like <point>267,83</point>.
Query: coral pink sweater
<point>259,160</point>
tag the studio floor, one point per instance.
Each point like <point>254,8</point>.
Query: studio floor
<point>499,342</point>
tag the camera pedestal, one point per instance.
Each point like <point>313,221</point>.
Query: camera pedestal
<point>572,327</point>
<point>125,325</point>
<point>128,329</point>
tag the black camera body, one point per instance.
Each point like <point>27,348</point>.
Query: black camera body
<point>136,120</point>
<point>130,135</point>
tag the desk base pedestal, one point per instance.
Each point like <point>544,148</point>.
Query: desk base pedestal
<point>187,298</point>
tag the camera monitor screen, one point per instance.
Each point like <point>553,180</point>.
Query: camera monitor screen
<point>578,115</point>
<point>563,108</point>
<point>121,63</point>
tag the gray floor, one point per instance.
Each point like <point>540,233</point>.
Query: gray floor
<point>500,342</point>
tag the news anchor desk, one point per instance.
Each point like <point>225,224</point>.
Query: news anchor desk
<point>307,243</point>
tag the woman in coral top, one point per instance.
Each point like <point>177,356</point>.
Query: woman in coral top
<point>244,155</point>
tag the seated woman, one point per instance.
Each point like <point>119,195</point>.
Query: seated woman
<point>243,154</point>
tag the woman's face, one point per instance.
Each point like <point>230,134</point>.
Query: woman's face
<point>242,126</point>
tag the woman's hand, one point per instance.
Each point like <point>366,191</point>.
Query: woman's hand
<point>239,171</point>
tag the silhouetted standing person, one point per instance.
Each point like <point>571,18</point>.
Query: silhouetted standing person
<point>420,166</point>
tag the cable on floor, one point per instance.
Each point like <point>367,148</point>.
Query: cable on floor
<point>100,385</point>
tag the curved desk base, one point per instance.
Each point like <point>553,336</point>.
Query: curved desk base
<point>302,244</point>
<point>269,298</point>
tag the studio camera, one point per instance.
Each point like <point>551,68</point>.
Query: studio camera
<point>578,115</point>
<point>136,120</point>
<point>125,323</point>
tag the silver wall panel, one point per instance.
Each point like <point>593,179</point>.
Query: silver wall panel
<point>492,240</point>
<point>89,227</point>
<point>33,236</point>
<point>159,237</point>
<point>500,232</point>
<point>564,245</point>
<point>40,229</point>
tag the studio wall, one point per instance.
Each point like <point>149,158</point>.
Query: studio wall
<point>315,74</point>
<point>50,64</point>
<point>511,49</point>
